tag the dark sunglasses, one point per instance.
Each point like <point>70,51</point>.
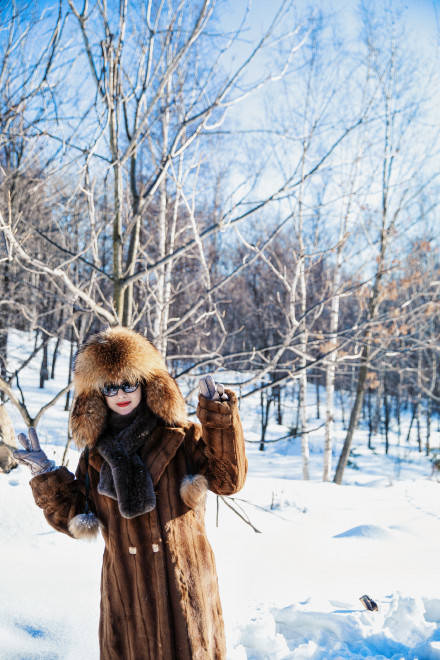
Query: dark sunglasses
<point>111,389</point>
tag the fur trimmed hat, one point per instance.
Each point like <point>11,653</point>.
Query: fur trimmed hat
<point>114,356</point>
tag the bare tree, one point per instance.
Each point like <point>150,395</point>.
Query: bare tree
<point>157,95</point>
<point>398,175</point>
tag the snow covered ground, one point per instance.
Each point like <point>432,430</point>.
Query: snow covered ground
<point>290,591</point>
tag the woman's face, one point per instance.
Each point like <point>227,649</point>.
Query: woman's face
<point>124,403</point>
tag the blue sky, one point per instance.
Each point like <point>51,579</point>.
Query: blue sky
<point>423,16</point>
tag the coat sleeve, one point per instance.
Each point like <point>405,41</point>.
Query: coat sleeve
<point>60,494</point>
<point>219,451</point>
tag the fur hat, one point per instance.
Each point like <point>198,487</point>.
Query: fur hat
<point>114,356</point>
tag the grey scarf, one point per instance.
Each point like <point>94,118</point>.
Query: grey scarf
<point>124,476</point>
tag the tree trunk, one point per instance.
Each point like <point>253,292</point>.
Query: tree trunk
<point>419,389</point>
<point>365,354</point>
<point>57,345</point>
<point>354,416</point>
<point>118,289</point>
<point>398,404</point>
<point>298,407</point>
<point>276,396</point>
<point>117,239</point>
<point>413,416</point>
<point>377,420</point>
<point>265,402</point>
<point>7,442</point>
<point>4,325</point>
<point>328,440</point>
<point>386,405</point>
<point>370,418</point>
<point>428,427</point>
<point>318,412</point>
<point>44,370</point>
<point>69,376</point>
<point>342,406</point>
<point>419,435</point>
<point>134,243</point>
<point>162,304</point>
<point>330,379</point>
<point>303,426</point>
<point>3,357</point>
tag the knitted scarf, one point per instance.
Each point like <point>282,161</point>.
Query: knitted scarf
<point>124,476</point>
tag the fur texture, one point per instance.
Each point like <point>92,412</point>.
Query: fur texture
<point>84,526</point>
<point>193,490</point>
<point>124,476</point>
<point>160,598</point>
<point>114,356</point>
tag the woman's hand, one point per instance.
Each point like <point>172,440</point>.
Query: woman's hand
<point>212,390</point>
<point>33,456</point>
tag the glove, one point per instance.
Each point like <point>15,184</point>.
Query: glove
<point>33,456</point>
<point>212,390</point>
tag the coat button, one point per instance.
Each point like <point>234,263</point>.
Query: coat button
<point>155,547</point>
<point>132,550</point>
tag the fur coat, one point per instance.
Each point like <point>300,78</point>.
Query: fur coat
<point>159,589</point>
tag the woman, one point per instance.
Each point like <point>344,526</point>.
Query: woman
<point>142,479</point>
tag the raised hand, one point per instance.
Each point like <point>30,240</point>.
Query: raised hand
<point>212,390</point>
<point>33,456</point>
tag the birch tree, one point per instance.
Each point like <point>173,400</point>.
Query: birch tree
<point>26,99</point>
<point>399,176</point>
<point>160,88</point>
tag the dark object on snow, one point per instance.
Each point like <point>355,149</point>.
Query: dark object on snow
<point>369,603</point>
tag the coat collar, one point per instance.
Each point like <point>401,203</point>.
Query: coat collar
<point>158,451</point>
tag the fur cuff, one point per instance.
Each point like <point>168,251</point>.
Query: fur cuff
<point>85,526</point>
<point>193,489</point>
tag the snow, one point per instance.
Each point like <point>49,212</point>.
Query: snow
<point>367,531</point>
<point>290,591</point>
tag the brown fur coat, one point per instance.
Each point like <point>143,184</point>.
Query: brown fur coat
<point>159,590</point>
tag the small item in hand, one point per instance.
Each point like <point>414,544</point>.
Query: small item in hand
<point>369,603</point>
<point>212,390</point>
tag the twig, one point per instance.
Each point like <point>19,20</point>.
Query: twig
<point>262,508</point>
<point>289,435</point>
<point>243,516</point>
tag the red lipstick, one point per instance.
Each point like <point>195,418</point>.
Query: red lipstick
<point>123,404</point>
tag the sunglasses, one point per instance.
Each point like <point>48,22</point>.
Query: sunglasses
<point>111,389</point>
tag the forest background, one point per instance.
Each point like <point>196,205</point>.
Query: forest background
<point>254,189</point>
